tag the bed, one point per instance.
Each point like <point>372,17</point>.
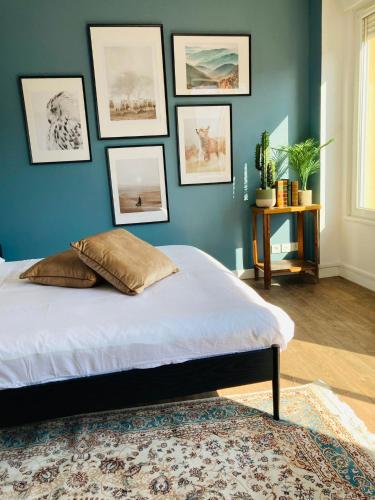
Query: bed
<point>68,351</point>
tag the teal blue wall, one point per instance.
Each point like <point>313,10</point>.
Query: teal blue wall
<point>43,208</point>
<point>315,53</point>
<point>315,7</point>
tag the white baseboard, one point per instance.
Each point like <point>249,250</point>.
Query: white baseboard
<point>349,272</point>
<point>363,278</point>
<point>329,270</point>
<point>244,274</point>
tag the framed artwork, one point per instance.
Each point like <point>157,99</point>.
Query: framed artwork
<point>55,118</point>
<point>211,64</point>
<point>129,77</point>
<point>204,144</point>
<point>138,184</point>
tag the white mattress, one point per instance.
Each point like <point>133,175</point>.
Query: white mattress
<point>50,333</point>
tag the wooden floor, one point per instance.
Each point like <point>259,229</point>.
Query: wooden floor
<point>334,339</point>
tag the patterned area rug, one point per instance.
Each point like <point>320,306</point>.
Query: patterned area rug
<point>220,448</point>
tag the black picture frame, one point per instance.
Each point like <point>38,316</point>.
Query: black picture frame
<point>229,105</point>
<point>94,82</point>
<point>110,182</point>
<point>26,124</point>
<point>210,94</point>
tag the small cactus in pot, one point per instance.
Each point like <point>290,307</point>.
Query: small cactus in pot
<point>266,194</point>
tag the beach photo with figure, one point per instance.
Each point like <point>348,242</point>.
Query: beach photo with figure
<point>204,134</point>
<point>130,83</point>
<point>138,185</point>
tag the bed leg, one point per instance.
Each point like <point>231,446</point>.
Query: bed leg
<point>276,381</point>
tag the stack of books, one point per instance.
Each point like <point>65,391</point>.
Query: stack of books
<point>282,193</point>
<point>294,193</point>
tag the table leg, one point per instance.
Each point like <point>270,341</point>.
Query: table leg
<point>267,251</point>
<point>300,234</point>
<point>276,381</point>
<point>316,242</point>
<point>255,245</point>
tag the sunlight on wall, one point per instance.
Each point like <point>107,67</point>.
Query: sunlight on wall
<point>239,259</point>
<point>280,136</point>
<point>245,184</point>
<point>284,232</point>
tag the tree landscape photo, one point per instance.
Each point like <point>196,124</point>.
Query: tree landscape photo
<point>211,67</point>
<point>130,83</point>
<point>138,185</point>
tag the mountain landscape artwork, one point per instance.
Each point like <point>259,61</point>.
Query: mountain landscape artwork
<point>212,67</point>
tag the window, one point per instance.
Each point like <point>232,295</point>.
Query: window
<point>365,178</point>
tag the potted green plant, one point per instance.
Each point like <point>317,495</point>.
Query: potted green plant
<point>304,159</point>
<point>266,194</point>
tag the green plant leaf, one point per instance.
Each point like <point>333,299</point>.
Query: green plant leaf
<point>304,158</point>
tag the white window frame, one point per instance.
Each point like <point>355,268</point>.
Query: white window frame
<point>359,118</point>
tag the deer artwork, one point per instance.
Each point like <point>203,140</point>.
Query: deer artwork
<point>209,145</point>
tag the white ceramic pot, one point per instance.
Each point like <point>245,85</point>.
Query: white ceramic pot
<point>305,197</point>
<point>265,198</point>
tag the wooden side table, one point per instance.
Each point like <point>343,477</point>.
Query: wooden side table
<point>286,266</point>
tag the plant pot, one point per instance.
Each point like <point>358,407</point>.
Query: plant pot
<point>265,198</point>
<point>304,197</point>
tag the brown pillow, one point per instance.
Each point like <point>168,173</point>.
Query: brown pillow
<point>125,261</point>
<point>63,269</point>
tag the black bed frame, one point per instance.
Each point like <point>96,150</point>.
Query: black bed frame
<point>136,387</point>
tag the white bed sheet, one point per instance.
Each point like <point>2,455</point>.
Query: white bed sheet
<point>50,333</point>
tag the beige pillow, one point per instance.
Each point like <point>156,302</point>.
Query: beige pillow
<point>125,261</point>
<point>63,269</point>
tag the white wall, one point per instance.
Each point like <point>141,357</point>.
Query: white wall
<point>347,243</point>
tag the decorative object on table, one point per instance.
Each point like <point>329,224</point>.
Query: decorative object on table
<point>321,450</point>
<point>204,144</point>
<point>282,192</point>
<point>55,117</point>
<point>294,193</point>
<point>286,266</point>
<point>211,65</point>
<point>266,194</point>
<point>129,75</point>
<point>138,184</point>
<point>304,159</point>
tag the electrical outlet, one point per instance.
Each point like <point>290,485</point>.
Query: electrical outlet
<point>276,248</point>
<point>289,247</point>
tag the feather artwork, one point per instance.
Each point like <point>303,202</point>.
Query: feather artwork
<point>64,122</point>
